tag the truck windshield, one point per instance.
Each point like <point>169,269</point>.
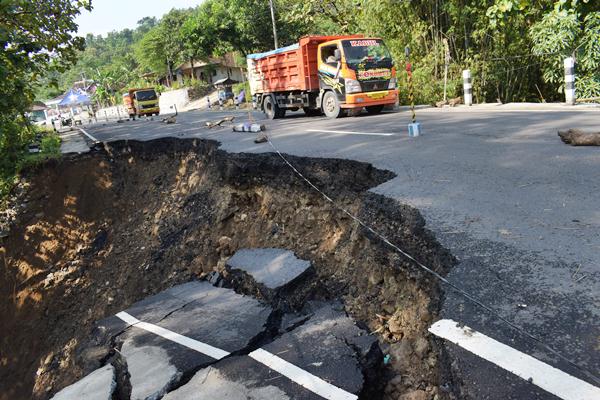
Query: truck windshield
<point>145,95</point>
<point>366,53</point>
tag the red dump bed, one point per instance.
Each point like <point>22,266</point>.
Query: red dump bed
<point>292,68</point>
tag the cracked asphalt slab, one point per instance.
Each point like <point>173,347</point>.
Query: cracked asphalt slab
<point>161,360</point>
<point>499,189</point>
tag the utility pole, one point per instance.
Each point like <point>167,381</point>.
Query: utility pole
<point>274,27</point>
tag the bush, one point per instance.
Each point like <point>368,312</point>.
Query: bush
<point>50,144</point>
<point>12,163</point>
<point>199,89</point>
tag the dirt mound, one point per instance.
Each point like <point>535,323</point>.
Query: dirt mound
<point>100,231</point>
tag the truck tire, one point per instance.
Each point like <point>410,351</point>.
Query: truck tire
<point>331,106</point>
<point>271,109</point>
<point>375,109</point>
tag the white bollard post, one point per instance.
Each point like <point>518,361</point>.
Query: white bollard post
<point>467,88</point>
<point>570,81</point>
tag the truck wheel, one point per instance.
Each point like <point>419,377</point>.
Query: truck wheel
<point>271,109</point>
<point>374,109</point>
<point>331,106</point>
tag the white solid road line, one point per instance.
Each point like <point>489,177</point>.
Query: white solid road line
<point>550,379</point>
<point>88,135</point>
<point>200,347</point>
<point>351,133</point>
<point>294,373</point>
<point>301,377</point>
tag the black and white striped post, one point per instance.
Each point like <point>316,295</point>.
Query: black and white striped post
<point>570,81</point>
<point>467,87</point>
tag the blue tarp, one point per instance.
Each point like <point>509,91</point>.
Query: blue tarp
<point>74,97</point>
<point>276,51</point>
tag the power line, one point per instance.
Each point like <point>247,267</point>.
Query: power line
<point>439,277</point>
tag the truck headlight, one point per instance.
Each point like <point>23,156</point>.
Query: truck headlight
<point>392,84</point>
<point>352,85</point>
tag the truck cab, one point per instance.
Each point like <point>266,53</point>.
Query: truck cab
<point>355,73</point>
<point>141,102</point>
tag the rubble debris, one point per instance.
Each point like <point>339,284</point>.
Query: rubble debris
<point>99,385</point>
<point>219,122</point>
<point>210,383</point>
<point>271,267</point>
<point>261,138</point>
<point>576,137</point>
<point>249,127</point>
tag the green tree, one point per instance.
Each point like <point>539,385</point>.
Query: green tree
<point>570,29</point>
<point>36,38</point>
<point>162,47</point>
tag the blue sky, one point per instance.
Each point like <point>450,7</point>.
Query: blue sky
<point>109,15</point>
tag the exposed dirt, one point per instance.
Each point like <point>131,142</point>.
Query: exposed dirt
<point>100,231</point>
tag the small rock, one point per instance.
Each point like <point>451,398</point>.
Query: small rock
<point>401,353</point>
<point>261,138</point>
<point>396,381</point>
<point>395,326</point>
<point>375,277</point>
<point>421,346</point>
<point>213,278</point>
<point>415,395</point>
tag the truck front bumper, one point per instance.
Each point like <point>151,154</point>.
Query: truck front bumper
<point>149,110</point>
<point>366,99</point>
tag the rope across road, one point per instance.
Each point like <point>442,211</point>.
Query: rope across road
<point>594,378</point>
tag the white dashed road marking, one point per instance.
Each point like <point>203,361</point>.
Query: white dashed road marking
<point>294,373</point>
<point>550,379</point>
<point>200,347</point>
<point>351,133</point>
<point>88,135</point>
<point>300,376</point>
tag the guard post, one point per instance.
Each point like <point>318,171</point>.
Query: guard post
<point>570,81</point>
<point>467,87</point>
<point>414,128</point>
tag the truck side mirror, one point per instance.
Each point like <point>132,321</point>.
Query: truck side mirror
<point>337,54</point>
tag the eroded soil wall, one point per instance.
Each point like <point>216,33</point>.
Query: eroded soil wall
<point>99,231</point>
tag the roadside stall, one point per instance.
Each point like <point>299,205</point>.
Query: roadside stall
<point>225,91</point>
<point>73,103</point>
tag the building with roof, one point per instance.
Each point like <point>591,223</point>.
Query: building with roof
<point>211,71</point>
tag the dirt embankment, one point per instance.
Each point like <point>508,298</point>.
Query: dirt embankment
<point>100,231</point>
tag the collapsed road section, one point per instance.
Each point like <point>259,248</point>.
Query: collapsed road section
<point>102,233</point>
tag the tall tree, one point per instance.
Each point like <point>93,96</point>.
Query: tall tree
<point>162,47</point>
<point>36,38</point>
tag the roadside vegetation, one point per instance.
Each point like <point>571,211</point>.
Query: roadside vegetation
<point>37,40</point>
<point>514,48</point>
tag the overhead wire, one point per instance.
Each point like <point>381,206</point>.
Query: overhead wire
<point>438,276</point>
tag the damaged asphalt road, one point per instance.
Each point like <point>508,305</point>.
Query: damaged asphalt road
<point>515,205</point>
<point>198,341</point>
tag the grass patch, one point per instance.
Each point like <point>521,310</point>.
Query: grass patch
<point>49,145</point>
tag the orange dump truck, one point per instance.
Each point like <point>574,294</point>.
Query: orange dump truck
<point>329,74</point>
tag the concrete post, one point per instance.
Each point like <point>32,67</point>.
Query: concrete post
<point>467,88</point>
<point>208,102</point>
<point>570,80</point>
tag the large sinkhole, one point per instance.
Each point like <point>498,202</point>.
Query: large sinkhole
<point>97,232</point>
